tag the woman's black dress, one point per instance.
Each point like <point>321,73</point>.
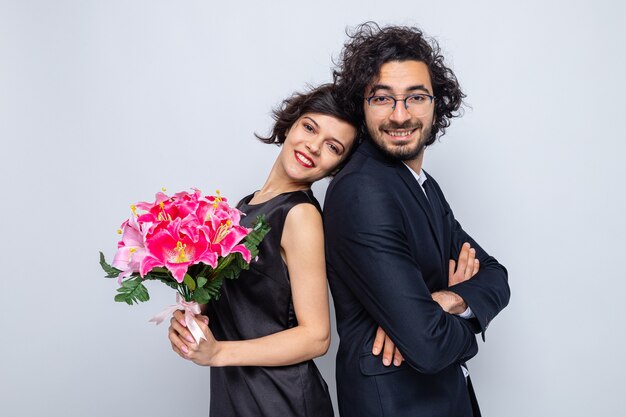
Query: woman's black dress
<point>257,304</point>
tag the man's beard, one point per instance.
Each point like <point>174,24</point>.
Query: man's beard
<point>406,152</point>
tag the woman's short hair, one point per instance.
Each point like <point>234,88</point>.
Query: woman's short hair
<point>321,100</point>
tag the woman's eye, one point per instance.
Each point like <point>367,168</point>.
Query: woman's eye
<point>308,128</point>
<point>334,148</point>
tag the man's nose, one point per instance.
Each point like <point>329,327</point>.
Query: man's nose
<point>400,114</point>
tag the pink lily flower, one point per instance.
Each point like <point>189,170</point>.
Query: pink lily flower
<point>174,249</point>
<point>130,250</point>
<point>225,239</point>
<point>221,226</point>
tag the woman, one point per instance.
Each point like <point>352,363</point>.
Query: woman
<point>270,323</point>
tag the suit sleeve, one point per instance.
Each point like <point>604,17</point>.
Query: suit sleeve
<point>487,292</point>
<point>369,250</point>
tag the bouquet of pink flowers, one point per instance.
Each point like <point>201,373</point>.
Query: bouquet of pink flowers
<point>189,242</point>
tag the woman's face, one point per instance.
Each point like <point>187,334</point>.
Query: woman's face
<point>315,145</point>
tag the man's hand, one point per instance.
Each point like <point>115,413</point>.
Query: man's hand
<point>450,302</point>
<point>383,343</point>
<point>467,267</point>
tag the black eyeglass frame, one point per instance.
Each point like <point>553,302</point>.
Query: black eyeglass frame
<point>395,100</point>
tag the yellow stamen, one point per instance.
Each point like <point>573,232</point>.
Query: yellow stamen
<point>163,215</point>
<point>222,232</point>
<point>163,189</point>
<point>134,209</point>
<point>132,250</point>
<point>182,256</point>
<point>119,231</point>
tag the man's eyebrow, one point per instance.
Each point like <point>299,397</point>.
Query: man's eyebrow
<point>417,87</point>
<point>377,87</point>
<point>311,119</point>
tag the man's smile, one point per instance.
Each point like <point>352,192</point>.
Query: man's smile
<point>400,134</point>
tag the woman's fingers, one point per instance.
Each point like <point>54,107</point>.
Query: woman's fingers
<point>203,323</point>
<point>177,344</point>
<point>181,339</point>
<point>179,315</point>
<point>178,351</point>
<point>181,330</point>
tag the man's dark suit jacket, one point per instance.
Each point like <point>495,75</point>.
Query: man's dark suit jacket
<point>387,249</point>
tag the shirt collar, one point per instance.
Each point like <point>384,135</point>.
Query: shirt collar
<point>420,178</point>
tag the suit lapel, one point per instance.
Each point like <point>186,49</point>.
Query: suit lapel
<point>370,150</point>
<point>438,211</point>
<point>414,188</point>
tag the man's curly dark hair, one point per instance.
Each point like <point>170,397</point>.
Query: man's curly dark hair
<point>371,46</point>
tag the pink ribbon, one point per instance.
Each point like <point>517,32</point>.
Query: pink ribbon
<point>191,308</point>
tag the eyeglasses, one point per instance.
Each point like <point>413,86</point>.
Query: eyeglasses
<point>416,104</point>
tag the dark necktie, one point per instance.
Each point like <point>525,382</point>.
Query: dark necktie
<point>427,185</point>
<point>435,206</point>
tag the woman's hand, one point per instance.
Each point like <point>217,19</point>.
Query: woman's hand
<point>204,353</point>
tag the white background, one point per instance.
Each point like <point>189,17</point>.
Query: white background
<point>104,102</point>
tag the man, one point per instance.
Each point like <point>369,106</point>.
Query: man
<point>390,234</point>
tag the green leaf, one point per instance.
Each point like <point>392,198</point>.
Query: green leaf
<point>190,282</point>
<point>111,272</point>
<point>234,268</point>
<point>259,229</point>
<point>202,281</point>
<point>201,296</point>
<point>213,288</point>
<point>132,291</point>
<point>167,280</point>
